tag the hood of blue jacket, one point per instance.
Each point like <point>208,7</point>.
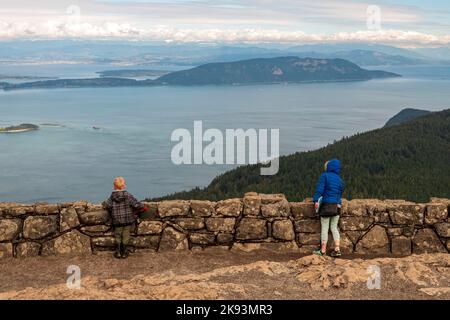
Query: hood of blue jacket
<point>334,166</point>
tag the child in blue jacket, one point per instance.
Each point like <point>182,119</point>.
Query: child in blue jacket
<point>330,188</point>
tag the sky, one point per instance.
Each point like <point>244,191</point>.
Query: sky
<point>403,23</point>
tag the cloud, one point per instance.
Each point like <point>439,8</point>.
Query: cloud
<point>63,29</point>
<point>223,21</point>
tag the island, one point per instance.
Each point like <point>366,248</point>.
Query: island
<point>245,72</point>
<point>273,70</point>
<point>56,125</point>
<point>139,73</point>
<point>24,127</point>
<point>5,76</point>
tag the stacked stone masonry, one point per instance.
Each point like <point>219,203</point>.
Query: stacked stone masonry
<point>368,227</point>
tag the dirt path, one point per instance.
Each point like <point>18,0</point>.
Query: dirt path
<point>220,274</point>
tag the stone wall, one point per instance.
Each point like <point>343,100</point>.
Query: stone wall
<point>257,221</point>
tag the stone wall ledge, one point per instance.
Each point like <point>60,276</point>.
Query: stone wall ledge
<point>256,221</point>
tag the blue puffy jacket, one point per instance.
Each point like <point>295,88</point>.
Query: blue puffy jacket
<point>330,184</point>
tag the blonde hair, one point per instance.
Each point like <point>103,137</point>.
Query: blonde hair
<point>119,183</point>
<point>326,165</point>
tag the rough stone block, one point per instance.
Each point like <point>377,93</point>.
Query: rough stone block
<point>374,242</point>
<point>375,207</point>
<point>71,243</point>
<point>37,227</point>
<point>443,229</point>
<point>202,208</point>
<point>408,231</point>
<point>359,223</point>
<point>409,214</point>
<point>229,208</point>
<point>302,210</point>
<point>202,238</point>
<point>381,217</point>
<point>278,209</point>
<point>272,198</point>
<point>173,240</point>
<point>19,210</point>
<point>225,238</point>
<point>357,208</point>
<point>104,242</point>
<point>98,230</point>
<point>94,217</point>
<point>173,208</point>
<point>68,219</point>
<point>9,229</point>
<point>283,230</point>
<point>426,241</point>
<point>307,226</point>
<point>145,242</point>
<point>396,231</point>
<point>45,209</point>
<point>6,250</point>
<point>27,249</point>
<point>251,229</point>
<point>150,227</point>
<point>220,224</point>
<point>191,223</point>
<point>401,245</point>
<point>435,213</point>
<point>252,205</point>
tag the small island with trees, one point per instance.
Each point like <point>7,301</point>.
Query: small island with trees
<point>24,127</point>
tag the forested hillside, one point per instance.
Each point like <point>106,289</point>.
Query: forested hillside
<point>408,161</point>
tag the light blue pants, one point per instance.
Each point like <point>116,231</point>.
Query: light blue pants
<point>328,223</point>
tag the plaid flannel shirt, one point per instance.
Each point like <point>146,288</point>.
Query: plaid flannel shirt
<point>121,206</point>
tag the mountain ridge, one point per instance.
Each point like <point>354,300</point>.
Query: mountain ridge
<point>406,115</point>
<point>273,70</point>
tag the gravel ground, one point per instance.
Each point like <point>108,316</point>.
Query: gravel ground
<point>222,274</point>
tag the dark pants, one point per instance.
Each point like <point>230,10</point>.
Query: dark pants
<point>123,233</point>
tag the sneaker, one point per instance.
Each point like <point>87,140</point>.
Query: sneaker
<point>319,252</point>
<point>336,253</point>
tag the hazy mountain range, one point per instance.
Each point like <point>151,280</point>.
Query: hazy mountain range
<point>152,53</point>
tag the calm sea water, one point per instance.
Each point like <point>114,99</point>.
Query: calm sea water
<point>77,162</point>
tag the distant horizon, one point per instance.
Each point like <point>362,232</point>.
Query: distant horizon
<point>273,45</point>
<point>401,23</point>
